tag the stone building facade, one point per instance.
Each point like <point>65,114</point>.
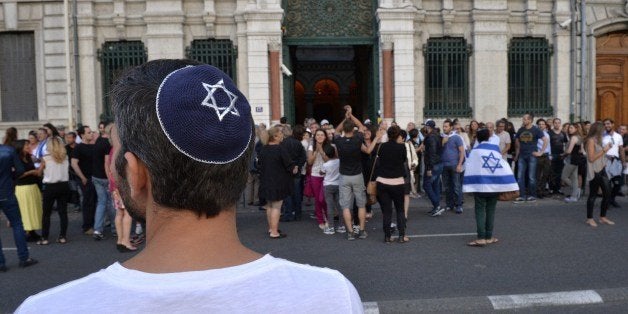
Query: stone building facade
<point>406,60</point>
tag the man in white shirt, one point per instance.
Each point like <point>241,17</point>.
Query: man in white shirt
<point>615,158</point>
<point>504,139</point>
<point>493,138</point>
<point>184,184</point>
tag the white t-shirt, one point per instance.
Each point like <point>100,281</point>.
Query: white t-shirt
<point>332,172</point>
<point>493,139</point>
<point>318,162</point>
<point>267,285</point>
<point>616,140</point>
<point>539,144</point>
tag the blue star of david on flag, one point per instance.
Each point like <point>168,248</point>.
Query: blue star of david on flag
<point>487,162</point>
<point>210,101</point>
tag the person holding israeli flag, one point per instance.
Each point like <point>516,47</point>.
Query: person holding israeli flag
<point>487,174</point>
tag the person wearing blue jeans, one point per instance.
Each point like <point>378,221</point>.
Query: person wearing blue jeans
<point>433,167</point>
<point>11,166</point>
<point>527,150</point>
<point>452,156</point>
<point>104,206</point>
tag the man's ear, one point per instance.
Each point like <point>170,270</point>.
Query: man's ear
<point>137,177</point>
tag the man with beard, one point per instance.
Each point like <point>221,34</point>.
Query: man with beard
<point>614,158</point>
<point>182,144</point>
<point>527,153</point>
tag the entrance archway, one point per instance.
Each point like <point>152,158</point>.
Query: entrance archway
<point>612,77</point>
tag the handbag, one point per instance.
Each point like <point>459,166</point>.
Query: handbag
<point>508,196</point>
<point>371,187</point>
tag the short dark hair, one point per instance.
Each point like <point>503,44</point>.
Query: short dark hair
<point>348,126</point>
<point>540,120</point>
<point>609,120</point>
<point>177,181</point>
<point>71,134</point>
<point>483,135</point>
<point>413,133</point>
<point>81,130</point>
<point>329,150</point>
<point>530,114</point>
<point>448,122</point>
<point>283,120</point>
<point>393,132</point>
<point>298,132</point>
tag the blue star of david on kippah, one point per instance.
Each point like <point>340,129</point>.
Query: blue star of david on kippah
<point>220,111</point>
<point>487,165</point>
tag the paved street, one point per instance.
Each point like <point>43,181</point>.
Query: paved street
<point>544,247</point>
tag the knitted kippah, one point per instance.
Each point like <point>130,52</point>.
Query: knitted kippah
<point>204,115</point>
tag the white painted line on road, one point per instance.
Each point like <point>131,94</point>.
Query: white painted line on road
<point>440,235</point>
<point>517,301</point>
<point>9,249</point>
<point>370,307</point>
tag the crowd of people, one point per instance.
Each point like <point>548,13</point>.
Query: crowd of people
<point>342,170</point>
<point>54,170</point>
<point>345,169</point>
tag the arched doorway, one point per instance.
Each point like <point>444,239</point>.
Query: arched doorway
<point>326,102</point>
<point>612,77</point>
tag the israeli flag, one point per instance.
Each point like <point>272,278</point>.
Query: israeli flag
<point>487,172</point>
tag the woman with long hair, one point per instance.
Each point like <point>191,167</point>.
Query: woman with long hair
<point>573,172</point>
<point>10,136</point>
<point>390,171</point>
<point>55,166</point>
<point>123,220</point>
<point>367,162</point>
<point>474,126</point>
<point>316,157</point>
<point>33,142</point>
<point>27,192</point>
<point>596,173</point>
<point>276,170</point>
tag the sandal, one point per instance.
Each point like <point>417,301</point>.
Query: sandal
<point>606,221</point>
<point>403,239</point>
<point>62,240</point>
<point>492,240</point>
<point>43,242</point>
<point>280,236</point>
<point>476,243</point>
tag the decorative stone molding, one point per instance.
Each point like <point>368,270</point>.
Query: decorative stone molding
<point>274,44</point>
<point>387,42</point>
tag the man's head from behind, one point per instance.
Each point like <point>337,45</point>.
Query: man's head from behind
<point>183,133</point>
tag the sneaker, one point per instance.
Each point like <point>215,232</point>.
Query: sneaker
<point>341,229</point>
<point>363,234</point>
<point>519,200</point>
<point>329,230</point>
<point>530,199</point>
<point>448,208</point>
<point>350,236</point>
<point>356,229</point>
<point>570,200</point>
<point>459,210</point>
<point>28,262</point>
<point>98,236</point>
<point>438,212</point>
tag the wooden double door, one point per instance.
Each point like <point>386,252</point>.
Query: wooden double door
<point>612,77</point>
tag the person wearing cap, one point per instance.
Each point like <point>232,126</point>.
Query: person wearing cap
<point>324,122</point>
<point>433,167</point>
<point>182,141</point>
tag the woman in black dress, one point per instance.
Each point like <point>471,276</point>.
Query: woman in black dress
<point>276,169</point>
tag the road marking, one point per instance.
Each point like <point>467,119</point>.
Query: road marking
<point>440,235</point>
<point>370,308</point>
<point>9,249</point>
<point>517,301</point>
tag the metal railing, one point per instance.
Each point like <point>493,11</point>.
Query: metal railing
<point>529,76</point>
<point>447,77</point>
<point>217,52</point>
<point>115,57</point>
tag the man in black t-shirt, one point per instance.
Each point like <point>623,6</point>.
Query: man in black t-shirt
<point>82,164</point>
<point>558,139</point>
<point>527,150</point>
<point>352,185</point>
<point>101,184</point>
